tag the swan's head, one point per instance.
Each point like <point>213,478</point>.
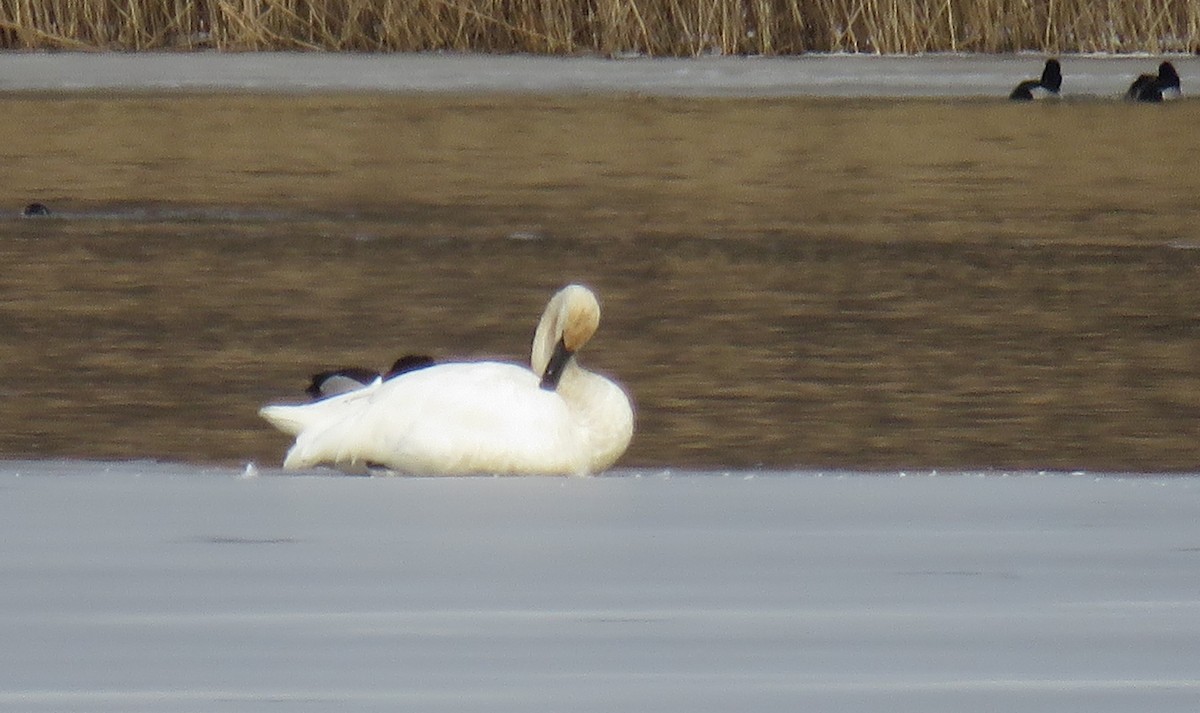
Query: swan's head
<point>569,321</point>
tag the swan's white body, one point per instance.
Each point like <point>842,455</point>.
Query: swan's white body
<point>475,417</point>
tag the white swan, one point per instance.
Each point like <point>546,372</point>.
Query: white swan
<point>477,417</point>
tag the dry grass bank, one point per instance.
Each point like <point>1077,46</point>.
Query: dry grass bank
<point>654,27</point>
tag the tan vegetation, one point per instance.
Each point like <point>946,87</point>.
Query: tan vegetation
<point>610,27</point>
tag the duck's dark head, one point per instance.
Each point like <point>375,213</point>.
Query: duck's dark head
<point>1052,76</point>
<point>1168,78</point>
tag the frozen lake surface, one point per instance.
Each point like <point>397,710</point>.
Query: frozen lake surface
<point>148,587</point>
<point>809,75</point>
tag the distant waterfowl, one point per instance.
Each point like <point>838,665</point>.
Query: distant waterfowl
<point>476,417</point>
<point>1155,88</point>
<point>1047,86</point>
<point>339,381</point>
<point>34,210</point>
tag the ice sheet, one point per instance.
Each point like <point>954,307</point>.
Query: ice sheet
<point>808,75</point>
<point>169,588</point>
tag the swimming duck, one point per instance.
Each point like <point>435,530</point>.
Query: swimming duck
<point>339,381</point>
<point>1155,88</point>
<point>1047,86</point>
<point>476,417</point>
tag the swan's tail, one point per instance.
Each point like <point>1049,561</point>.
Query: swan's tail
<point>289,419</point>
<point>295,419</point>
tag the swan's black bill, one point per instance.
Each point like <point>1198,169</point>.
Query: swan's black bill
<point>556,367</point>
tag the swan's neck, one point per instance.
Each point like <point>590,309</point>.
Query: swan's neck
<point>544,342</point>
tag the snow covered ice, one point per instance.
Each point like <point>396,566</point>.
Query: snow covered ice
<point>944,75</point>
<point>173,588</point>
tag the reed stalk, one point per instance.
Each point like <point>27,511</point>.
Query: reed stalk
<point>607,27</point>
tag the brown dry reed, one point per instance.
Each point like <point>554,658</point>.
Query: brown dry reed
<point>607,27</point>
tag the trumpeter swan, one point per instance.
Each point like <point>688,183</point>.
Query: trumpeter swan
<point>477,417</point>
